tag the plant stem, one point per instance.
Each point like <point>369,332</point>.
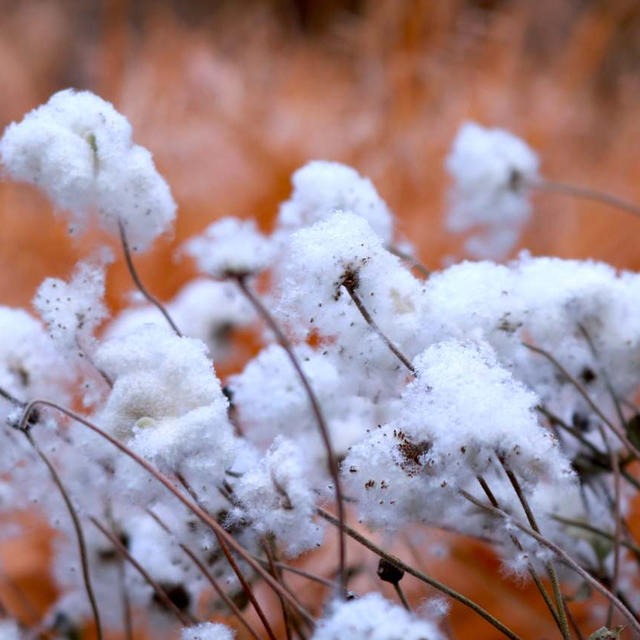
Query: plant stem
<point>210,579</point>
<point>168,484</point>
<point>185,620</point>
<point>563,556</point>
<point>82,547</point>
<point>585,193</point>
<point>411,260</point>
<point>634,548</point>
<point>136,279</point>
<point>586,396</point>
<point>372,323</point>
<point>553,576</point>
<point>420,575</point>
<point>532,572</point>
<point>234,565</point>
<point>317,412</point>
<point>278,576</point>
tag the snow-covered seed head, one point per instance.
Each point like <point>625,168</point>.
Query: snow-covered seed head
<point>320,188</point>
<point>78,149</point>
<point>491,169</point>
<point>371,617</point>
<point>231,247</point>
<point>207,631</point>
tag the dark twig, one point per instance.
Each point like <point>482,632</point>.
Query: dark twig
<point>184,620</point>
<point>351,290</point>
<point>232,562</point>
<point>585,193</point>
<point>553,576</point>
<point>266,545</point>
<point>82,547</point>
<point>586,397</point>
<point>168,484</point>
<point>411,260</point>
<point>332,461</point>
<point>562,555</point>
<point>532,572</point>
<point>352,533</point>
<point>136,279</point>
<point>210,579</point>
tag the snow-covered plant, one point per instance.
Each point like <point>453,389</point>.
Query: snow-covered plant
<point>78,149</point>
<point>494,400</point>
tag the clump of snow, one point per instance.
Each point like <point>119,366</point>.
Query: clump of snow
<point>461,415</point>
<point>72,310</point>
<point>320,188</point>
<point>207,631</point>
<point>30,365</point>
<point>203,309</point>
<point>490,169</point>
<point>78,149</point>
<point>167,403</point>
<point>231,247</point>
<point>277,499</point>
<point>371,617</point>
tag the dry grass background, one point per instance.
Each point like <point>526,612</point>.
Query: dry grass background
<point>232,96</point>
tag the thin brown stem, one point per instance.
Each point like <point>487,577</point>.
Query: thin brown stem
<point>562,555</point>
<point>584,193</point>
<point>617,534</point>
<point>127,623</point>
<point>634,548</point>
<point>553,418</point>
<point>411,260</point>
<point>604,374</point>
<point>573,621</point>
<point>184,620</point>
<point>168,484</point>
<point>401,596</point>
<point>381,553</point>
<point>136,279</point>
<point>532,572</point>
<point>372,323</point>
<point>332,461</point>
<point>233,564</point>
<point>210,579</point>
<point>278,576</point>
<point>553,576</point>
<point>11,398</point>
<point>622,437</point>
<point>82,547</point>
<point>300,572</point>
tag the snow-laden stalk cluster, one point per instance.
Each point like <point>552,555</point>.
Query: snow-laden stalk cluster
<point>494,400</point>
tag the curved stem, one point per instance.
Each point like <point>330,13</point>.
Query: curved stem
<point>166,482</point>
<point>278,576</point>
<point>352,533</point>
<point>562,555</point>
<point>232,562</point>
<point>136,279</point>
<point>411,260</point>
<point>585,193</point>
<point>586,397</point>
<point>82,547</point>
<point>372,323</point>
<point>532,572</point>
<point>185,621</point>
<point>210,579</point>
<point>551,571</point>
<point>319,416</point>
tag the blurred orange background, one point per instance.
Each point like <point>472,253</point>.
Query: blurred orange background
<point>232,96</point>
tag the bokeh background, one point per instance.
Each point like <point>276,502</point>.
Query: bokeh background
<point>232,96</point>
